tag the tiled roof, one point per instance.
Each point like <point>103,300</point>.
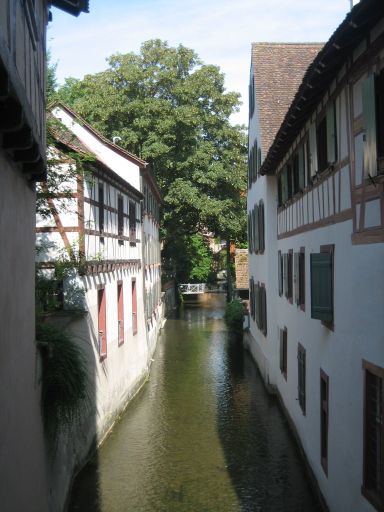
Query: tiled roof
<point>320,74</point>
<point>278,71</point>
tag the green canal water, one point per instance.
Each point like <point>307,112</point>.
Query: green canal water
<point>201,436</point>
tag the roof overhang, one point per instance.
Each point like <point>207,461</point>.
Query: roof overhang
<point>74,7</point>
<point>319,76</point>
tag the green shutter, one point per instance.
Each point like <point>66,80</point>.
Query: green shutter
<point>331,133</point>
<point>280,272</point>
<point>285,274</point>
<point>369,117</point>
<point>261,228</point>
<point>296,277</point>
<point>301,377</point>
<point>281,350</point>
<point>322,286</point>
<point>256,227</point>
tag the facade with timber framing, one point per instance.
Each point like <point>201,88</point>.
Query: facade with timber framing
<point>105,219</point>
<point>23,475</point>
<point>317,336</point>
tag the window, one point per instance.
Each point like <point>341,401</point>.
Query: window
<point>101,208</point>
<point>251,298</point>
<point>102,322</point>
<point>120,217</point>
<point>261,228</point>
<point>326,139</point>
<point>280,272</point>
<point>132,222</point>
<point>261,313</point>
<point>283,352</point>
<point>290,180</point>
<point>299,277</point>
<point>322,285</point>
<point>289,291</point>
<point>134,307</point>
<point>301,376</point>
<point>120,313</point>
<point>324,410</point>
<point>373,468</point>
<point>373,118</point>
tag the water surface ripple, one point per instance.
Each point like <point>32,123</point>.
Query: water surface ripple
<point>201,436</point>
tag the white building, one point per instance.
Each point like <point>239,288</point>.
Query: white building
<point>316,212</point>
<point>111,228</point>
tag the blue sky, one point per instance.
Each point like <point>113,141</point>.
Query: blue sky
<point>220,31</point>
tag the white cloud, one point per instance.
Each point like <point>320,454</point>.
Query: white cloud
<point>221,32</point>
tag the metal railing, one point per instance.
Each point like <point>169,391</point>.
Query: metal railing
<point>189,288</point>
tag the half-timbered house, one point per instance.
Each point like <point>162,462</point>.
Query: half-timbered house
<point>319,183</point>
<point>104,218</point>
<point>23,483</point>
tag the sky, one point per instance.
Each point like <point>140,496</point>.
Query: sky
<point>220,31</point>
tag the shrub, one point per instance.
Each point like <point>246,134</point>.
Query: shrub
<point>64,381</point>
<point>234,313</point>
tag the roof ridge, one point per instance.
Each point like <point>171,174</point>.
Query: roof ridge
<point>282,43</point>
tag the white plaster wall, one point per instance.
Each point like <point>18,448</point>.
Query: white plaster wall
<point>358,334</point>
<point>120,165</point>
<point>23,482</point>
<point>263,268</point>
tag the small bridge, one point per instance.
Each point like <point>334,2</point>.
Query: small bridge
<point>191,288</point>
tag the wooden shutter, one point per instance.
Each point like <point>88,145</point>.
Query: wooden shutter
<point>296,277</point>
<point>322,286</point>
<point>285,274</point>
<point>324,401</point>
<point>134,307</point>
<point>264,310</point>
<point>302,278</point>
<point>301,376</point>
<point>283,351</point>
<point>331,133</point>
<point>261,228</point>
<point>369,117</point>
<point>251,303</point>
<point>120,216</point>
<point>255,168</point>
<point>249,233</point>
<point>373,435</point>
<point>132,222</point>
<point>101,208</point>
<point>249,168</point>
<point>257,304</point>
<point>290,274</point>
<point>102,322</point>
<point>312,150</point>
<point>120,313</point>
<point>256,227</point>
<point>259,158</point>
<point>280,272</point>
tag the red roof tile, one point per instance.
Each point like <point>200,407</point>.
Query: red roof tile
<point>278,70</point>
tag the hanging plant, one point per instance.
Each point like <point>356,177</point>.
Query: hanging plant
<point>65,381</point>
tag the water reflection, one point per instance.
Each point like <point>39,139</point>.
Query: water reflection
<point>202,436</point>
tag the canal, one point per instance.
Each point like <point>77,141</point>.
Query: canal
<point>201,436</point>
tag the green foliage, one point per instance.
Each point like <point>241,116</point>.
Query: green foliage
<point>193,258</point>
<point>173,111</point>
<point>234,313</point>
<point>65,381</point>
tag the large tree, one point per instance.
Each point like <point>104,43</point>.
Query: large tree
<point>173,111</point>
